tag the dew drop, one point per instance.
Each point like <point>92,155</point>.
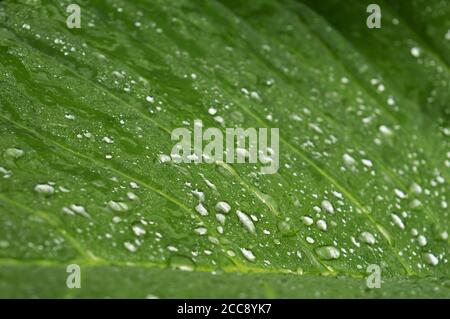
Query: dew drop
<point>201,209</point>
<point>138,230</point>
<point>223,207</point>
<point>117,206</point>
<point>164,158</point>
<point>349,161</point>
<point>248,254</point>
<point>367,238</point>
<point>399,193</point>
<point>430,259</point>
<point>415,52</point>
<point>327,206</point>
<point>386,131</point>
<point>14,153</point>
<point>321,224</point>
<point>201,231</point>
<point>130,247</point>
<point>44,189</point>
<point>328,252</point>
<point>246,221</point>
<point>397,221</point>
<point>307,220</point>
<point>422,241</point>
<point>416,188</point>
<point>80,210</point>
<point>220,218</point>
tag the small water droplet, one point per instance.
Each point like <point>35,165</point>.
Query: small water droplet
<point>397,221</point>
<point>422,241</point>
<point>130,247</point>
<point>430,259</point>
<point>44,189</point>
<point>14,153</point>
<point>201,209</point>
<point>201,231</point>
<point>327,206</point>
<point>307,220</point>
<point>415,52</point>
<point>367,238</point>
<point>221,218</point>
<point>138,230</point>
<point>328,252</point>
<point>117,206</point>
<point>321,224</point>
<point>248,254</point>
<point>246,221</point>
<point>223,207</point>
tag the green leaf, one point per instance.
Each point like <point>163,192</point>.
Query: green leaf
<point>86,120</point>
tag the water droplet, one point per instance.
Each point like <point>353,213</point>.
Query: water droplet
<point>138,230</point>
<point>399,193</point>
<point>397,221</point>
<point>416,188</point>
<point>223,207</point>
<point>201,231</point>
<point>221,218</point>
<point>386,131</point>
<point>117,206</point>
<point>246,221</point>
<point>108,140</point>
<point>80,210</point>
<point>307,220</point>
<point>367,162</point>
<point>321,224</point>
<point>201,209</point>
<point>415,52</point>
<point>248,254</point>
<point>132,196</point>
<point>44,189</point>
<point>231,253</point>
<point>367,237</point>
<point>212,111</point>
<point>14,153</point>
<point>163,158</point>
<point>328,252</point>
<point>130,247</point>
<point>199,194</point>
<point>422,241</point>
<point>430,259</point>
<point>134,185</point>
<point>181,263</point>
<point>327,206</point>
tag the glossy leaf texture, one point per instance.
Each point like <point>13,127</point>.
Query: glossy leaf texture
<point>86,117</point>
